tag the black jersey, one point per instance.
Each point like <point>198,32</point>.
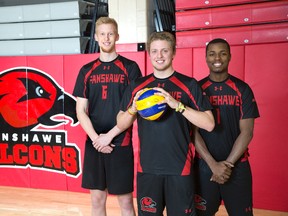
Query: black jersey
<point>103,84</point>
<point>165,144</point>
<point>232,100</point>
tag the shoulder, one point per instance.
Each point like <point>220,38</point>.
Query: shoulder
<point>184,77</point>
<point>128,65</point>
<point>238,82</point>
<point>89,65</point>
<point>140,80</point>
<point>126,60</point>
<point>203,80</point>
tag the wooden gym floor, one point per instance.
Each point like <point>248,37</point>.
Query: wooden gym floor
<point>37,202</point>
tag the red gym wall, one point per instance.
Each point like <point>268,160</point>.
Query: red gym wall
<point>259,56</point>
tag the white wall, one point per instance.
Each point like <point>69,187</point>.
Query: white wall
<point>135,19</point>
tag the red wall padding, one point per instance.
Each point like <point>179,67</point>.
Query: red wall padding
<point>266,69</point>
<point>196,4</point>
<point>237,15</point>
<point>263,66</point>
<point>266,33</point>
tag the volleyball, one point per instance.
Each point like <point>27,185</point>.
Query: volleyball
<point>147,105</point>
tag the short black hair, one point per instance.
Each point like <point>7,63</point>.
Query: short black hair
<point>218,40</point>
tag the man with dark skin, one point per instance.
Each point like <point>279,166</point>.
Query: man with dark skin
<point>222,169</point>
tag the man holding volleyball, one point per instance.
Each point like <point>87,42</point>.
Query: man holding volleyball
<point>164,172</point>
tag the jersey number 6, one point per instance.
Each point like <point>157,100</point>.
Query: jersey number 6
<point>104,92</point>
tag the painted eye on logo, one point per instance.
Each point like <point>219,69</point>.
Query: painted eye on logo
<point>39,91</point>
<point>34,90</point>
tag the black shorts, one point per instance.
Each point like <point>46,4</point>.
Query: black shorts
<point>114,172</point>
<point>155,192</point>
<point>236,193</point>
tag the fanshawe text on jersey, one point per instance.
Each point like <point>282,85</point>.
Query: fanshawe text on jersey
<point>218,100</point>
<point>107,78</point>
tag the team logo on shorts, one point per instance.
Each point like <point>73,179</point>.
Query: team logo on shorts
<point>200,203</point>
<point>148,204</point>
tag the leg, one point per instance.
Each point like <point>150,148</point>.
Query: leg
<point>126,204</point>
<point>120,178</point>
<point>207,194</point>
<point>150,198</point>
<point>179,195</point>
<point>94,178</point>
<point>237,192</point>
<point>98,199</point>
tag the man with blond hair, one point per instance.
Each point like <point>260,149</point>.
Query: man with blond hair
<point>99,88</point>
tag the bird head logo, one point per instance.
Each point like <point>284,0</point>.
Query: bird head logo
<point>29,97</point>
<point>148,204</point>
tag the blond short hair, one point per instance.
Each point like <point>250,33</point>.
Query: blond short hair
<point>106,20</point>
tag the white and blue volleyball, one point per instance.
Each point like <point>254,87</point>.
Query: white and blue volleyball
<point>147,105</point>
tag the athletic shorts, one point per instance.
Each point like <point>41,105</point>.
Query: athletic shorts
<point>114,171</point>
<point>155,192</point>
<point>236,193</point>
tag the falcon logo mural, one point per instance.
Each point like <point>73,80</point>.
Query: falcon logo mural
<point>29,98</point>
<point>32,104</point>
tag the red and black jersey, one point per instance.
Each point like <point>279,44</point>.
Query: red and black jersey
<point>165,144</point>
<point>103,84</point>
<point>232,100</point>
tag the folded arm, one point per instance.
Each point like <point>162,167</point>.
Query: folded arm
<point>86,124</point>
<point>221,169</point>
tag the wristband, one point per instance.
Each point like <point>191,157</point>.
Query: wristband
<point>180,108</point>
<point>130,111</point>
